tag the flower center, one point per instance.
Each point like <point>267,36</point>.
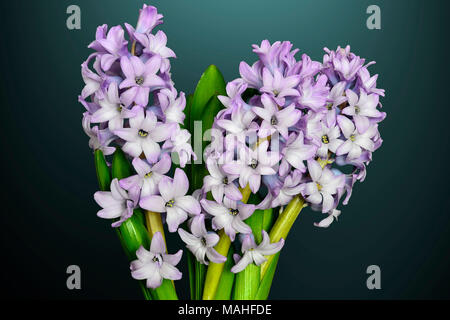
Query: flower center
<point>148,174</point>
<point>274,121</point>
<point>225,180</point>
<point>253,164</point>
<point>142,133</point>
<point>329,106</point>
<point>120,107</point>
<point>139,80</point>
<point>357,109</point>
<point>276,92</point>
<point>325,139</point>
<point>155,259</point>
<point>170,203</point>
<point>319,186</point>
<point>203,240</point>
<point>352,137</point>
<point>233,212</point>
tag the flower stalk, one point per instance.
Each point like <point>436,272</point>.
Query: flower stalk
<point>283,225</point>
<point>215,269</point>
<point>154,224</point>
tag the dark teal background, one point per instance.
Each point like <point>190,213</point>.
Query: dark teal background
<point>397,219</point>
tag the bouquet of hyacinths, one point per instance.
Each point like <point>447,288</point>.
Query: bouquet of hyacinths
<point>279,137</point>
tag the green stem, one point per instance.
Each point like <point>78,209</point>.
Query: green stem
<point>215,269</point>
<point>247,283</point>
<point>200,271</point>
<point>226,282</point>
<point>266,281</point>
<point>283,225</point>
<point>191,270</point>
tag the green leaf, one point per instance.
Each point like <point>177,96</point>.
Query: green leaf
<point>166,291</point>
<point>134,233</point>
<point>210,84</point>
<point>255,221</point>
<point>266,282</point>
<point>268,219</point>
<point>200,273</point>
<point>191,270</point>
<point>204,108</point>
<point>121,167</point>
<point>226,282</point>
<point>102,170</point>
<point>187,112</point>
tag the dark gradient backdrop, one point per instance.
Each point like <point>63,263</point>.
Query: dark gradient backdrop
<point>397,219</point>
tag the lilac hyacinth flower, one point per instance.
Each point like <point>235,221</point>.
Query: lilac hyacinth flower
<point>114,45</point>
<point>341,64</point>
<point>369,83</point>
<point>355,142</point>
<point>240,122</point>
<point>220,183</point>
<point>148,19</point>
<point>140,79</point>
<point>179,144</point>
<point>100,34</point>
<point>274,119</point>
<point>329,140</point>
<point>144,134</point>
<point>148,176</point>
<point>256,253</point>
<point>314,94</point>
<point>112,110</point>
<point>98,139</point>
<point>291,187</point>
<point>252,164</point>
<point>362,109</point>
<point>233,99</point>
<point>336,98</point>
<point>332,215</point>
<point>309,67</point>
<point>229,215</point>
<point>116,204</point>
<point>279,86</point>
<point>323,186</point>
<point>171,105</point>
<point>156,44</point>
<point>295,153</point>
<point>91,80</point>
<point>201,242</point>
<point>252,75</point>
<point>173,200</point>
<point>155,265</point>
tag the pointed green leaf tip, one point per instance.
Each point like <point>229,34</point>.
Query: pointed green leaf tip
<point>205,106</point>
<point>210,84</point>
<point>121,167</point>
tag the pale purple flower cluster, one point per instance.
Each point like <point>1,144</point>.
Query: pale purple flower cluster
<point>288,128</point>
<point>131,103</point>
<point>129,95</point>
